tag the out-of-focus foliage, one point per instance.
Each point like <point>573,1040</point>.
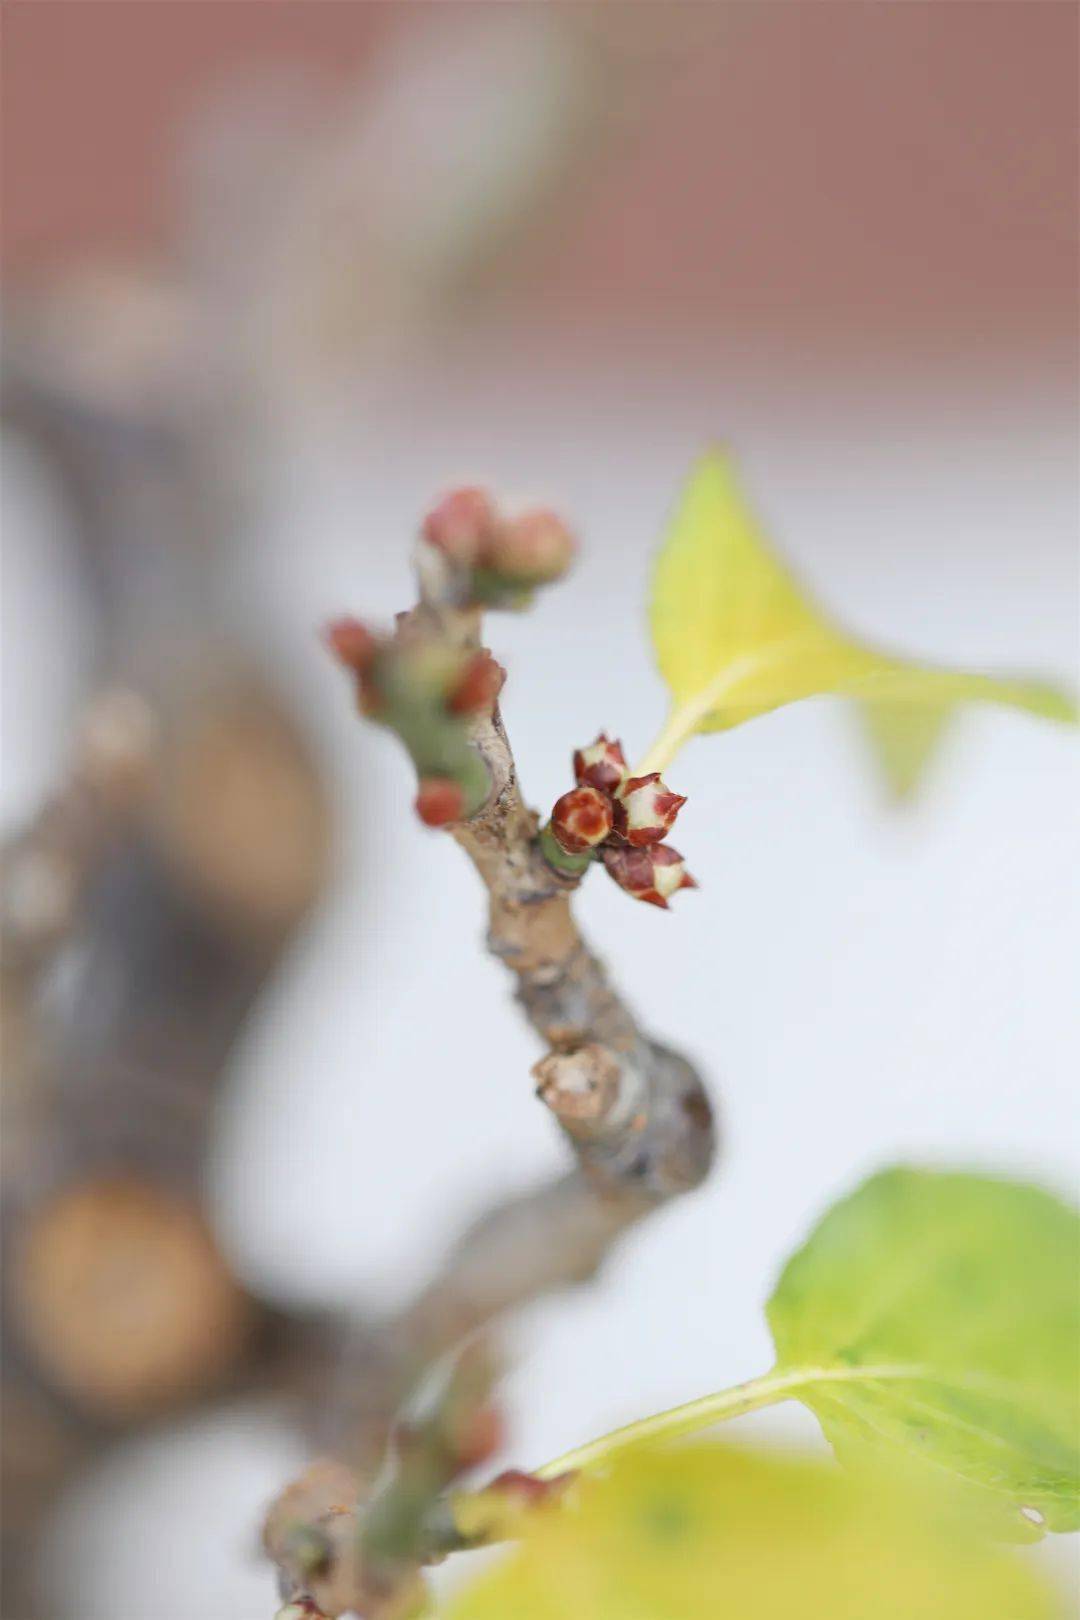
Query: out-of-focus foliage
<point>903,738</point>
<point>949,1305</point>
<point>708,1531</point>
<point>736,636</point>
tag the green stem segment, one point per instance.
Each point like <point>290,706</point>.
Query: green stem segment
<point>557,857</point>
<point>778,1385</point>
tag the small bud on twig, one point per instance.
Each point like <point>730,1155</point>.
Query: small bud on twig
<point>600,765</point>
<point>620,816</point>
<point>462,525</point>
<point>478,686</point>
<point>439,801</point>
<point>645,809</point>
<point>581,819</point>
<point>469,554</point>
<point>424,687</point>
<point>652,873</point>
<point>352,644</point>
<point>532,549</point>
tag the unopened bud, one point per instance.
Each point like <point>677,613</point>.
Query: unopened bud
<point>478,685</point>
<point>581,819</point>
<point>352,644</point>
<point>532,549</point>
<point>601,765</point>
<point>439,801</point>
<point>461,525</point>
<point>645,809</point>
<point>652,873</point>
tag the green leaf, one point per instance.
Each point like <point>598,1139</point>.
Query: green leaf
<point>736,635</point>
<point>939,1315</point>
<point>708,1532</point>
<point>903,739</point>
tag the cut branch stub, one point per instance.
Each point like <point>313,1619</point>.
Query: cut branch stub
<point>580,1087</point>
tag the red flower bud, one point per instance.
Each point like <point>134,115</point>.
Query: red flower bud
<point>581,819</point>
<point>439,800</point>
<point>461,525</point>
<point>352,644</point>
<point>601,765</point>
<point>533,549</point>
<point>645,809</point>
<point>478,686</point>
<point>652,873</point>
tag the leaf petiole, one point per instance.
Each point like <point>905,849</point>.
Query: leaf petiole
<point>702,1413</point>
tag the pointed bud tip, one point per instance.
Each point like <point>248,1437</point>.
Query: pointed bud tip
<point>601,765</point>
<point>645,809</point>
<point>651,872</point>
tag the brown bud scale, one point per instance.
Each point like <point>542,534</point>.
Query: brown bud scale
<point>581,819</point>
<point>652,873</point>
<point>645,809</point>
<point>600,765</point>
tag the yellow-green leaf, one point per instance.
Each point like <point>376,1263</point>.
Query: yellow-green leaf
<point>903,739</point>
<point>737,636</point>
<point>938,1315</point>
<point>713,1533</point>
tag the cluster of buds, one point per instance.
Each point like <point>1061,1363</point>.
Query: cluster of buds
<point>621,819</point>
<point>427,690</point>
<point>472,554</point>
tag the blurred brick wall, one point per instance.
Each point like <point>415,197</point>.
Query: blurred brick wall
<point>854,164</point>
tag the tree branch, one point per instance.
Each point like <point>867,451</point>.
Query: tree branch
<point>634,1112</point>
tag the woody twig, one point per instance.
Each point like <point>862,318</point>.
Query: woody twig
<point>633,1111</point>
